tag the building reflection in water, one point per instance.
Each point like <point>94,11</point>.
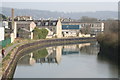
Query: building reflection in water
<point>32,60</point>
<point>54,54</point>
<point>90,49</point>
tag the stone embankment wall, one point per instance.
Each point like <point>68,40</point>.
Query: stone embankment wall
<point>29,47</point>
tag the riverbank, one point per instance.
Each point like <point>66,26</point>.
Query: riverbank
<point>20,50</point>
<point>109,46</point>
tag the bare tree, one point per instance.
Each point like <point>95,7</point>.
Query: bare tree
<point>111,26</point>
<point>88,19</point>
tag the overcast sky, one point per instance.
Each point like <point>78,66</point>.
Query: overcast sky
<point>59,0</point>
<point>65,6</point>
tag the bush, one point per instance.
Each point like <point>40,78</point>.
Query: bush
<point>110,39</point>
<point>40,33</point>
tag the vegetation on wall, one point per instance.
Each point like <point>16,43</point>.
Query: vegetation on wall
<point>40,33</point>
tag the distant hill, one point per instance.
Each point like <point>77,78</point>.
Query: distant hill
<point>37,14</point>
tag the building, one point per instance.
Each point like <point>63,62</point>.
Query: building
<point>22,29</point>
<point>75,28</point>
<point>23,18</point>
<point>50,25</point>
<point>5,24</point>
<point>70,28</point>
<point>59,29</point>
<point>2,33</point>
<point>25,28</point>
<point>5,34</point>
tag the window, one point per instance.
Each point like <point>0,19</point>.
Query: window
<point>38,23</point>
<point>92,25</point>
<point>67,32</point>
<point>46,23</point>
<point>54,23</point>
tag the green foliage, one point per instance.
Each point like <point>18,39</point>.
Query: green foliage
<point>40,33</point>
<point>40,54</point>
<point>2,17</point>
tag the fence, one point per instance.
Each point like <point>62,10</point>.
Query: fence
<point>5,42</point>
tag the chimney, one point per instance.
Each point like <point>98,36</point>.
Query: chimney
<point>12,18</point>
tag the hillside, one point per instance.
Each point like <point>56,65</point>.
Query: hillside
<point>36,14</point>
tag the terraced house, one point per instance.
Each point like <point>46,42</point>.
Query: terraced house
<point>62,28</point>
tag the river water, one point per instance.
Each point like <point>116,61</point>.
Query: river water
<point>66,61</point>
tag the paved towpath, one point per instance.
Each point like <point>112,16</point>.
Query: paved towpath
<point>7,50</point>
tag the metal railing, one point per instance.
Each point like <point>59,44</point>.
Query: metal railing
<point>5,42</point>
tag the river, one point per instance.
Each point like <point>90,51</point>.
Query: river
<point>66,61</point>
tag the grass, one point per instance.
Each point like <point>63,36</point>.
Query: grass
<point>9,56</point>
<point>5,61</point>
<point>9,45</point>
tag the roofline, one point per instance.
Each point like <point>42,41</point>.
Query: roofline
<point>79,22</point>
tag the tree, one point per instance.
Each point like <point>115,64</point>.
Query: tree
<point>2,17</point>
<point>111,26</point>
<point>40,33</point>
<point>85,30</point>
<point>88,19</point>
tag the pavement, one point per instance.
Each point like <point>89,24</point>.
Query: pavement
<point>8,49</point>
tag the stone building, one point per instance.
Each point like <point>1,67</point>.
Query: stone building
<point>25,28</point>
<point>59,29</point>
<point>70,28</point>
<point>23,18</point>
<point>50,25</point>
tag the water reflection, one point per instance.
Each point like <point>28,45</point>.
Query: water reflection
<point>67,61</point>
<point>112,64</point>
<point>54,54</point>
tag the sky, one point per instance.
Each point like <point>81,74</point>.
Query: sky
<point>60,0</point>
<point>63,5</point>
